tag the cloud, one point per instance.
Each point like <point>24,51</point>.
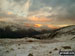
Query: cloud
<point>57,12</point>
<point>45,11</point>
<point>39,19</point>
<point>52,26</point>
<point>16,8</point>
<point>38,25</point>
<point>60,11</point>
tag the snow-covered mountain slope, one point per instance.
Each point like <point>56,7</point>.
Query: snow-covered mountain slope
<point>65,33</point>
<point>41,36</point>
<point>62,34</point>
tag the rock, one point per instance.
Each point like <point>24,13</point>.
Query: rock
<point>50,52</point>
<point>30,54</point>
<point>66,47</point>
<point>55,49</point>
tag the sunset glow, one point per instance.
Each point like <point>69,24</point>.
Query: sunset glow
<point>44,25</point>
<point>39,19</point>
<point>38,25</point>
<point>63,25</point>
<point>52,26</point>
<point>9,13</point>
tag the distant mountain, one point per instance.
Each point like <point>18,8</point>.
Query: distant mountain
<point>15,30</point>
<point>64,33</point>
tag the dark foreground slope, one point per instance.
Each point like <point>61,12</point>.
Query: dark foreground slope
<point>14,30</point>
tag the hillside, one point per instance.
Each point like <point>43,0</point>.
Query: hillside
<point>64,33</point>
<point>47,44</point>
<point>16,30</point>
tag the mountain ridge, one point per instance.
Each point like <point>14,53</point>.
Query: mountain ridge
<point>64,33</point>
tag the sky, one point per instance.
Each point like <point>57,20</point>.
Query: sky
<point>41,13</point>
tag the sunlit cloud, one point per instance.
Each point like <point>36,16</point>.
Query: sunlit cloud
<point>53,26</point>
<point>38,25</point>
<point>33,25</point>
<point>9,13</point>
<point>39,19</point>
<point>63,25</point>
